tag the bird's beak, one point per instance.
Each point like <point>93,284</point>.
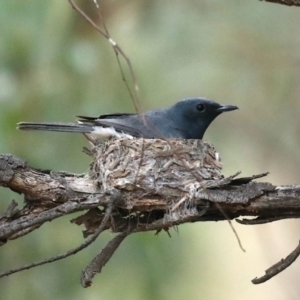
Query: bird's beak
<point>226,108</point>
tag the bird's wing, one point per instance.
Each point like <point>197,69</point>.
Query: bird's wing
<point>106,116</point>
<point>154,124</point>
<point>126,123</point>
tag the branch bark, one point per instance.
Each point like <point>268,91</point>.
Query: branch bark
<point>130,206</point>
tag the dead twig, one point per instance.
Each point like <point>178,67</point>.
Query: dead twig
<point>73,251</point>
<point>101,259</point>
<point>285,2</point>
<point>278,267</point>
<point>118,51</point>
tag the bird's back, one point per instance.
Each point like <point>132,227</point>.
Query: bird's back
<point>151,124</point>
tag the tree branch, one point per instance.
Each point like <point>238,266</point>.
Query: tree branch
<point>177,182</point>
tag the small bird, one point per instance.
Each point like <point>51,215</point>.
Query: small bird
<point>186,119</point>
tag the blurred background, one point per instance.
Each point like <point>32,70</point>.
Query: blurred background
<point>54,66</point>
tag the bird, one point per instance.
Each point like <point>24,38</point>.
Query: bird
<point>186,119</point>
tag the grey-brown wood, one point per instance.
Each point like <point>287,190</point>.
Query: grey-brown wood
<point>139,185</point>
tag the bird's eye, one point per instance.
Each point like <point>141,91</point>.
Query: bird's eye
<point>201,107</point>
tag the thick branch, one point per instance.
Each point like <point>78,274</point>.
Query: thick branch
<point>50,195</point>
<point>170,188</point>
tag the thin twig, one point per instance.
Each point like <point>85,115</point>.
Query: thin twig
<point>96,265</point>
<point>265,220</point>
<point>55,258</point>
<point>27,221</point>
<point>118,50</point>
<point>231,225</point>
<point>278,267</point>
<point>70,252</point>
<point>285,2</point>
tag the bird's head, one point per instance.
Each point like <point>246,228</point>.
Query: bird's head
<point>194,115</point>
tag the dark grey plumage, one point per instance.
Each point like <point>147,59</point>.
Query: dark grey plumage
<point>187,119</point>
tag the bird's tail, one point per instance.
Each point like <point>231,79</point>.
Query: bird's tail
<point>61,127</point>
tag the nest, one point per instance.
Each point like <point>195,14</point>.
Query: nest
<point>152,166</point>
